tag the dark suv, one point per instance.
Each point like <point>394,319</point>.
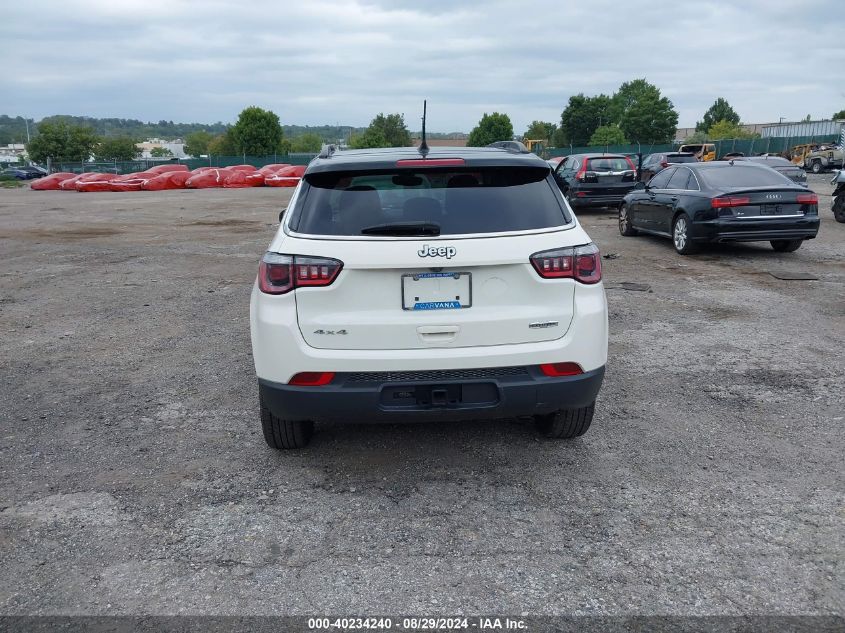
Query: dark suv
<point>654,163</point>
<point>595,180</point>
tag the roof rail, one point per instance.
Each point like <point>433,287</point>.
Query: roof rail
<point>327,151</point>
<point>510,146</point>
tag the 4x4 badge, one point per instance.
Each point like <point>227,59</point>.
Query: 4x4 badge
<point>330,332</point>
<point>437,251</point>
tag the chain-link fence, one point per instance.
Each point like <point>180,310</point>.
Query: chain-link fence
<point>749,147</point>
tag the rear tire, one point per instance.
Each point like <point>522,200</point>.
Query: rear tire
<point>786,246</point>
<point>839,208</point>
<point>625,227</point>
<point>566,424</point>
<point>285,434</point>
<point>680,235</point>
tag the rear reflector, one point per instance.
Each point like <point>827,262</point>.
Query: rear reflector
<point>807,198</point>
<point>561,369</point>
<point>729,201</point>
<point>430,162</point>
<point>582,263</point>
<point>312,378</point>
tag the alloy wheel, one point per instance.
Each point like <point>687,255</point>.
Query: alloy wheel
<point>680,233</point>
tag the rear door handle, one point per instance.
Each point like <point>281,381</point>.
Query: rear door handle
<point>674,198</point>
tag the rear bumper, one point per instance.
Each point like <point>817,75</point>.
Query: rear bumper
<point>424,396</point>
<point>597,201</point>
<point>749,230</point>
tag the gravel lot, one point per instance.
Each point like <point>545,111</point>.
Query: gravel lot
<point>135,479</point>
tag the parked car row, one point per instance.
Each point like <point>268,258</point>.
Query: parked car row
<point>24,172</point>
<point>747,198</point>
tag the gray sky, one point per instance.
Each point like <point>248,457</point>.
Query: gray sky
<point>343,61</point>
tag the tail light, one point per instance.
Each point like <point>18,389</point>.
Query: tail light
<point>587,176</point>
<point>729,201</point>
<point>556,370</point>
<point>582,263</point>
<point>807,198</point>
<point>312,378</point>
<point>278,274</point>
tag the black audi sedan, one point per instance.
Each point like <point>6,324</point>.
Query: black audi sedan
<point>721,201</point>
<point>595,180</point>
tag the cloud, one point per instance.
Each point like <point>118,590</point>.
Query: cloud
<point>330,61</point>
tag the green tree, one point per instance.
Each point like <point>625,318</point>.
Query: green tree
<point>582,116</point>
<point>160,152</point>
<point>368,139</point>
<point>838,115</point>
<point>643,114</point>
<point>306,143</point>
<point>608,135</point>
<point>384,131</point>
<point>117,148</point>
<point>491,128</point>
<point>559,138</point>
<point>728,129</point>
<point>221,145</point>
<point>540,130</point>
<point>721,110</point>
<point>60,140</point>
<point>257,132</point>
<point>196,143</point>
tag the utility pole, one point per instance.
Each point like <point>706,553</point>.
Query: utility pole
<point>27,129</point>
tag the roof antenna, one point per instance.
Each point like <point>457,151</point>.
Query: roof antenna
<point>423,145</point>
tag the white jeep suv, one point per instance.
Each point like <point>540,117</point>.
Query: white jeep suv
<point>453,285</point>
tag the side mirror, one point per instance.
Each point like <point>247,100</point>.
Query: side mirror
<point>282,213</point>
<point>640,185</point>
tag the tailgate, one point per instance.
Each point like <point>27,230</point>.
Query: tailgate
<point>469,292</point>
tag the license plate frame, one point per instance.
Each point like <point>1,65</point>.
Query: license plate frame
<point>421,301</point>
<point>771,209</point>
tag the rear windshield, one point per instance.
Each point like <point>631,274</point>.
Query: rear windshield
<point>609,163</point>
<point>737,177</point>
<point>455,201</point>
<point>681,159</point>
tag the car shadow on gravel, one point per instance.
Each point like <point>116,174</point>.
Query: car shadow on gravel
<point>398,458</point>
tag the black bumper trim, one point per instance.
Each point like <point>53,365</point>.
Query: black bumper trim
<point>345,400</point>
<point>751,230</point>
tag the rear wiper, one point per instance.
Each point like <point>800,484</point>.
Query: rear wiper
<point>403,228</point>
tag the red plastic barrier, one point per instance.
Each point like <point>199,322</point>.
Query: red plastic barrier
<point>248,168</point>
<point>208,178</point>
<point>51,182</point>
<point>268,170</point>
<point>292,170</point>
<point>286,177</point>
<point>129,182</point>
<point>95,182</point>
<point>238,179</point>
<point>161,169</point>
<point>167,180</point>
<point>70,183</point>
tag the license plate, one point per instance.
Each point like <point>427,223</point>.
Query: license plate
<point>436,291</point>
<point>771,209</point>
